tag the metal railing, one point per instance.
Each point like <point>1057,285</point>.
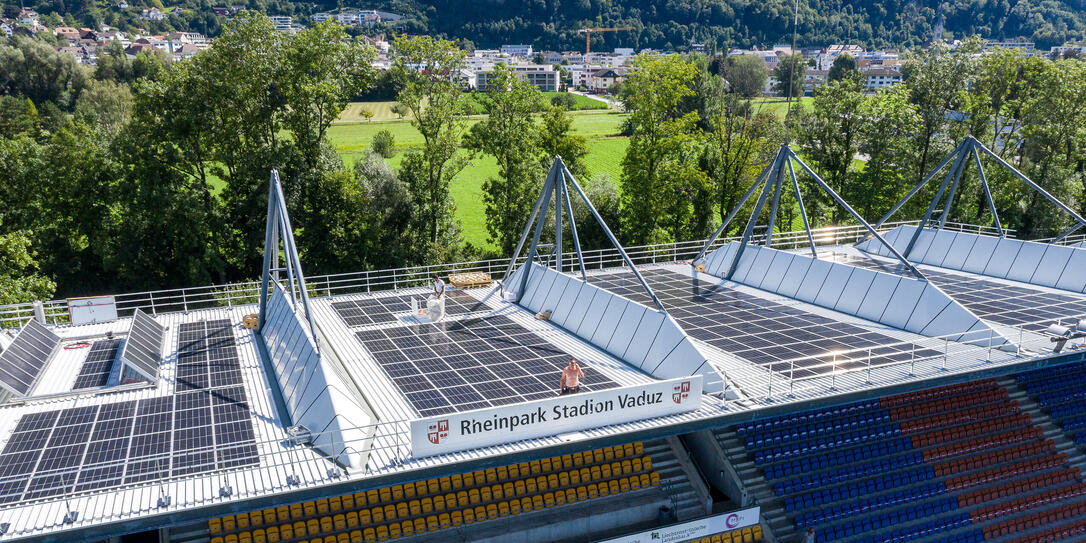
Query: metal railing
<point>247,292</point>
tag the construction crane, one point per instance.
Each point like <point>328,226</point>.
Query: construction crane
<point>588,36</point>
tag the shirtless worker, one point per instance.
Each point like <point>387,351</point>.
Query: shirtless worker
<point>571,378</point>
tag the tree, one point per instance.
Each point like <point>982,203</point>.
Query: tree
<point>509,134</point>
<point>661,185</point>
<point>31,68</point>
<point>556,138</point>
<point>20,281</point>
<point>889,122</point>
<point>384,143</point>
<point>428,71</point>
<point>105,105</point>
<point>843,66</point>
<point>747,75</point>
<point>387,209</point>
<point>791,68</point>
<point>831,139</point>
<point>738,146</point>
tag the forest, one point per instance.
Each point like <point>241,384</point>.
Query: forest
<point>142,174</point>
<point>666,25</point>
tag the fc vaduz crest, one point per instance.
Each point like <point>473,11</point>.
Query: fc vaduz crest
<point>682,391</point>
<point>438,431</point>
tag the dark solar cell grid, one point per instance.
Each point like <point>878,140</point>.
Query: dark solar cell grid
<point>761,331</point>
<point>471,364</point>
<point>98,364</point>
<point>384,309</point>
<point>23,361</point>
<point>93,447</point>
<point>1029,308</point>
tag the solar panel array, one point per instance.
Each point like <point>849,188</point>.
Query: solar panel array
<point>197,429</point>
<point>98,364</point>
<point>472,364</point>
<point>762,331</point>
<point>386,308</point>
<point>23,361</point>
<point>143,350</point>
<point>1011,305</point>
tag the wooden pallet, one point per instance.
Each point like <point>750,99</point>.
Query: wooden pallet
<point>470,279</point>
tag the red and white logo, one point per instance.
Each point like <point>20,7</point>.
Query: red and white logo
<point>732,521</point>
<point>438,431</point>
<point>681,392</point>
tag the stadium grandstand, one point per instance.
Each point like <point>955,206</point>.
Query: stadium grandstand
<point>899,381</point>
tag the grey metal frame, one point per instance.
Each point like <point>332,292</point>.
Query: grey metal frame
<point>772,180</point>
<point>557,178</point>
<point>278,229</point>
<point>970,147</point>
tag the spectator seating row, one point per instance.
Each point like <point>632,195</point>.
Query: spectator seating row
<point>752,534</point>
<point>440,503</point>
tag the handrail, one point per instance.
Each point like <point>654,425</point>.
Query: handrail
<point>247,292</point>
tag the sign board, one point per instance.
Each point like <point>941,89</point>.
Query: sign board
<point>494,425</point>
<point>694,529</point>
<point>92,310</point>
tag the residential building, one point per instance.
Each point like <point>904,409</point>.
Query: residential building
<point>879,78</point>
<point>824,60</point>
<point>542,76</point>
<point>603,79</point>
<point>66,33</point>
<point>153,14</point>
<point>517,50</point>
<point>5,29</point>
<point>1020,44</point>
<point>814,79</point>
<point>28,17</point>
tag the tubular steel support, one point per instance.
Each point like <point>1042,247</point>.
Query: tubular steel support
<point>919,186</point>
<point>1069,231</point>
<point>934,202</point>
<point>775,205</point>
<point>573,231</point>
<point>754,217</point>
<point>548,187</point>
<point>988,193</point>
<point>524,234</point>
<point>962,163</point>
<point>1030,182</point>
<point>733,213</point>
<point>841,202</point>
<point>802,209</point>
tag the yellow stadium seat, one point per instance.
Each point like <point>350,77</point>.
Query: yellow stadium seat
<point>468,514</point>
<point>514,507</point>
<point>326,524</point>
<point>748,535</point>
<point>552,481</point>
<point>508,489</point>
<point>597,456</point>
<point>518,488</point>
<point>480,513</point>
<point>256,518</point>
<point>567,461</point>
<point>457,482</point>
<point>312,527</point>
<point>461,499</point>
<point>390,512</point>
<point>352,519</point>
<point>473,496</point>
<point>654,479</point>
<point>577,459</point>
<point>427,505</point>
<point>639,448</point>
<point>559,498</point>
<point>530,485</point>
<point>421,489</point>
<point>420,525</point>
<point>492,510</point>
<point>449,500</point>
<point>608,454</point>
<point>613,486</point>
<point>365,517</point>
<point>343,538</point>
<point>526,504</point>
<point>273,534</point>
<point>286,531</point>
<point>444,520</point>
<point>296,512</point>
<point>309,508</point>
<point>756,530</point>
<point>525,469</point>
<point>563,479</point>
<point>716,538</point>
<point>408,491</point>
<point>322,507</point>
<point>335,505</point>
<point>571,495</point>
<point>232,538</point>
<point>503,509</point>
<point>279,514</point>
<point>574,477</point>
<point>457,518</point>
<point>378,515</point>
<point>491,476</point>
<point>644,480</point>
<point>545,465</point>
<point>596,473</point>
<point>583,493</point>
<point>605,471</point>
<point>446,484</point>
<point>385,494</point>
<point>382,533</point>
<point>503,473</point>
<point>356,537</point>
<point>635,464</point>
<point>415,507</point>
<point>373,497</point>
<point>514,471</point>
<point>470,479</point>
<point>299,529</point>
<point>369,535</point>
<point>432,523</point>
<point>432,486</point>
<point>485,494</point>
<point>393,531</point>
<point>536,467</point>
<point>228,524</point>
<point>496,492</point>
<point>407,528</point>
<point>260,536</point>
<point>603,489</point>
<point>214,526</point>
<point>548,499</point>
<point>627,467</point>
<point>327,539</point>
<point>402,511</point>
<point>360,500</point>
<point>646,463</point>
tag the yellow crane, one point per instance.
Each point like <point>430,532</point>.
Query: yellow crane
<point>588,35</point>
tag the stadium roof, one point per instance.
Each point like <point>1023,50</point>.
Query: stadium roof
<point>323,398</point>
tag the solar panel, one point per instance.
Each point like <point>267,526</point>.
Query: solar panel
<point>143,349</point>
<point>471,364</point>
<point>98,364</point>
<point>762,331</point>
<point>23,361</point>
<point>1011,305</point>
<point>385,309</point>
<point>194,430</point>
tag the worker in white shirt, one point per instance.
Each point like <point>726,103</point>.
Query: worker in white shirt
<point>439,287</point>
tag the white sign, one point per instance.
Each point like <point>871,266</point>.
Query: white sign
<point>695,528</point>
<point>92,310</point>
<point>506,424</point>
